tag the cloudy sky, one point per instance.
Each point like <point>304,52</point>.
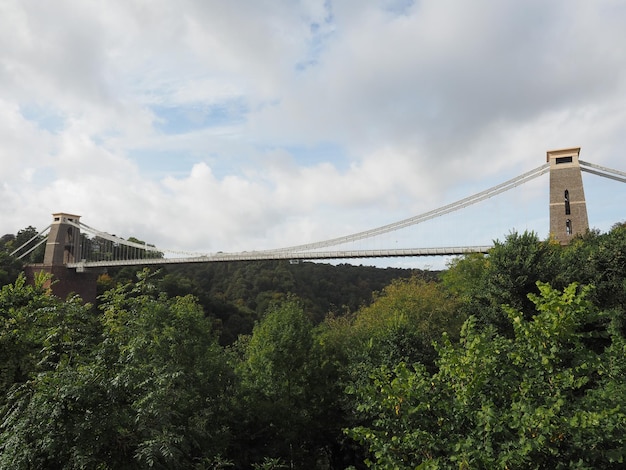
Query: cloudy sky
<point>207,125</point>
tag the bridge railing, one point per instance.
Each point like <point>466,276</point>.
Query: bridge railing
<point>285,255</point>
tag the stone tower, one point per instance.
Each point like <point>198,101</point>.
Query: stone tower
<point>63,245</point>
<point>568,210</point>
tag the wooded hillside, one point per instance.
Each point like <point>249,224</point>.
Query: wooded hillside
<point>237,294</point>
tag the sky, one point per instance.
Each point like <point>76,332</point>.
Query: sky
<point>205,125</point>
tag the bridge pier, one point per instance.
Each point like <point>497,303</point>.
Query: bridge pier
<point>568,208</point>
<point>64,246</point>
<point>66,281</point>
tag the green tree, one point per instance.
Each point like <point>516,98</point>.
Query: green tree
<point>39,331</point>
<point>278,389</point>
<point>41,337</point>
<point>403,321</point>
<point>164,360</point>
<point>30,233</point>
<point>505,277</point>
<point>465,274</point>
<point>400,325</point>
<point>146,389</point>
<point>542,398</point>
<point>599,259</point>
<point>10,268</point>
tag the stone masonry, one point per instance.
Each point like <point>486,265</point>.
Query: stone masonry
<point>568,209</point>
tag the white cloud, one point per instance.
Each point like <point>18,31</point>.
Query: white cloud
<point>187,123</point>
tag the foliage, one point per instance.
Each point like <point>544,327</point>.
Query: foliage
<point>401,324</point>
<point>278,352</point>
<point>465,275</point>
<point>279,389</point>
<point>404,320</point>
<point>146,389</point>
<point>541,399</point>
<point>513,267</point>
<point>269,464</point>
<point>505,277</point>
<point>38,332</point>
<point>237,294</point>
<point>10,267</point>
<point>599,259</point>
<point>22,237</point>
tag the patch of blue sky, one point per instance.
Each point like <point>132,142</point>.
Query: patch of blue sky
<point>398,7</point>
<point>42,176</point>
<point>320,34</point>
<point>173,120</point>
<point>322,152</point>
<point>45,118</point>
<point>102,138</point>
<point>604,198</point>
<point>158,164</point>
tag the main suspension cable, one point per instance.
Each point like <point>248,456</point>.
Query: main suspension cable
<point>486,194</point>
<point>603,171</point>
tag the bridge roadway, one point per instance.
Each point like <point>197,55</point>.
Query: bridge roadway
<point>278,255</point>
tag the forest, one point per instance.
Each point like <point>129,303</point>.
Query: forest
<point>513,360</point>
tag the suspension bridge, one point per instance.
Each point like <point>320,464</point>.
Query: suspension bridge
<point>72,245</point>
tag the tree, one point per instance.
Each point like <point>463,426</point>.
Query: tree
<point>278,389</point>
<point>466,275</point>
<point>599,259</point>
<point>505,277</point>
<point>39,331</point>
<point>403,321</point>
<point>10,268</point>
<point>400,325</point>
<point>23,236</point>
<point>542,398</point>
<point>41,337</point>
<point>143,385</point>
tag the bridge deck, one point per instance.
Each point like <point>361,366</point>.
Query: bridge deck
<point>278,255</point>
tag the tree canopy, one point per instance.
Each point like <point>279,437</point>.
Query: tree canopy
<point>541,399</point>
